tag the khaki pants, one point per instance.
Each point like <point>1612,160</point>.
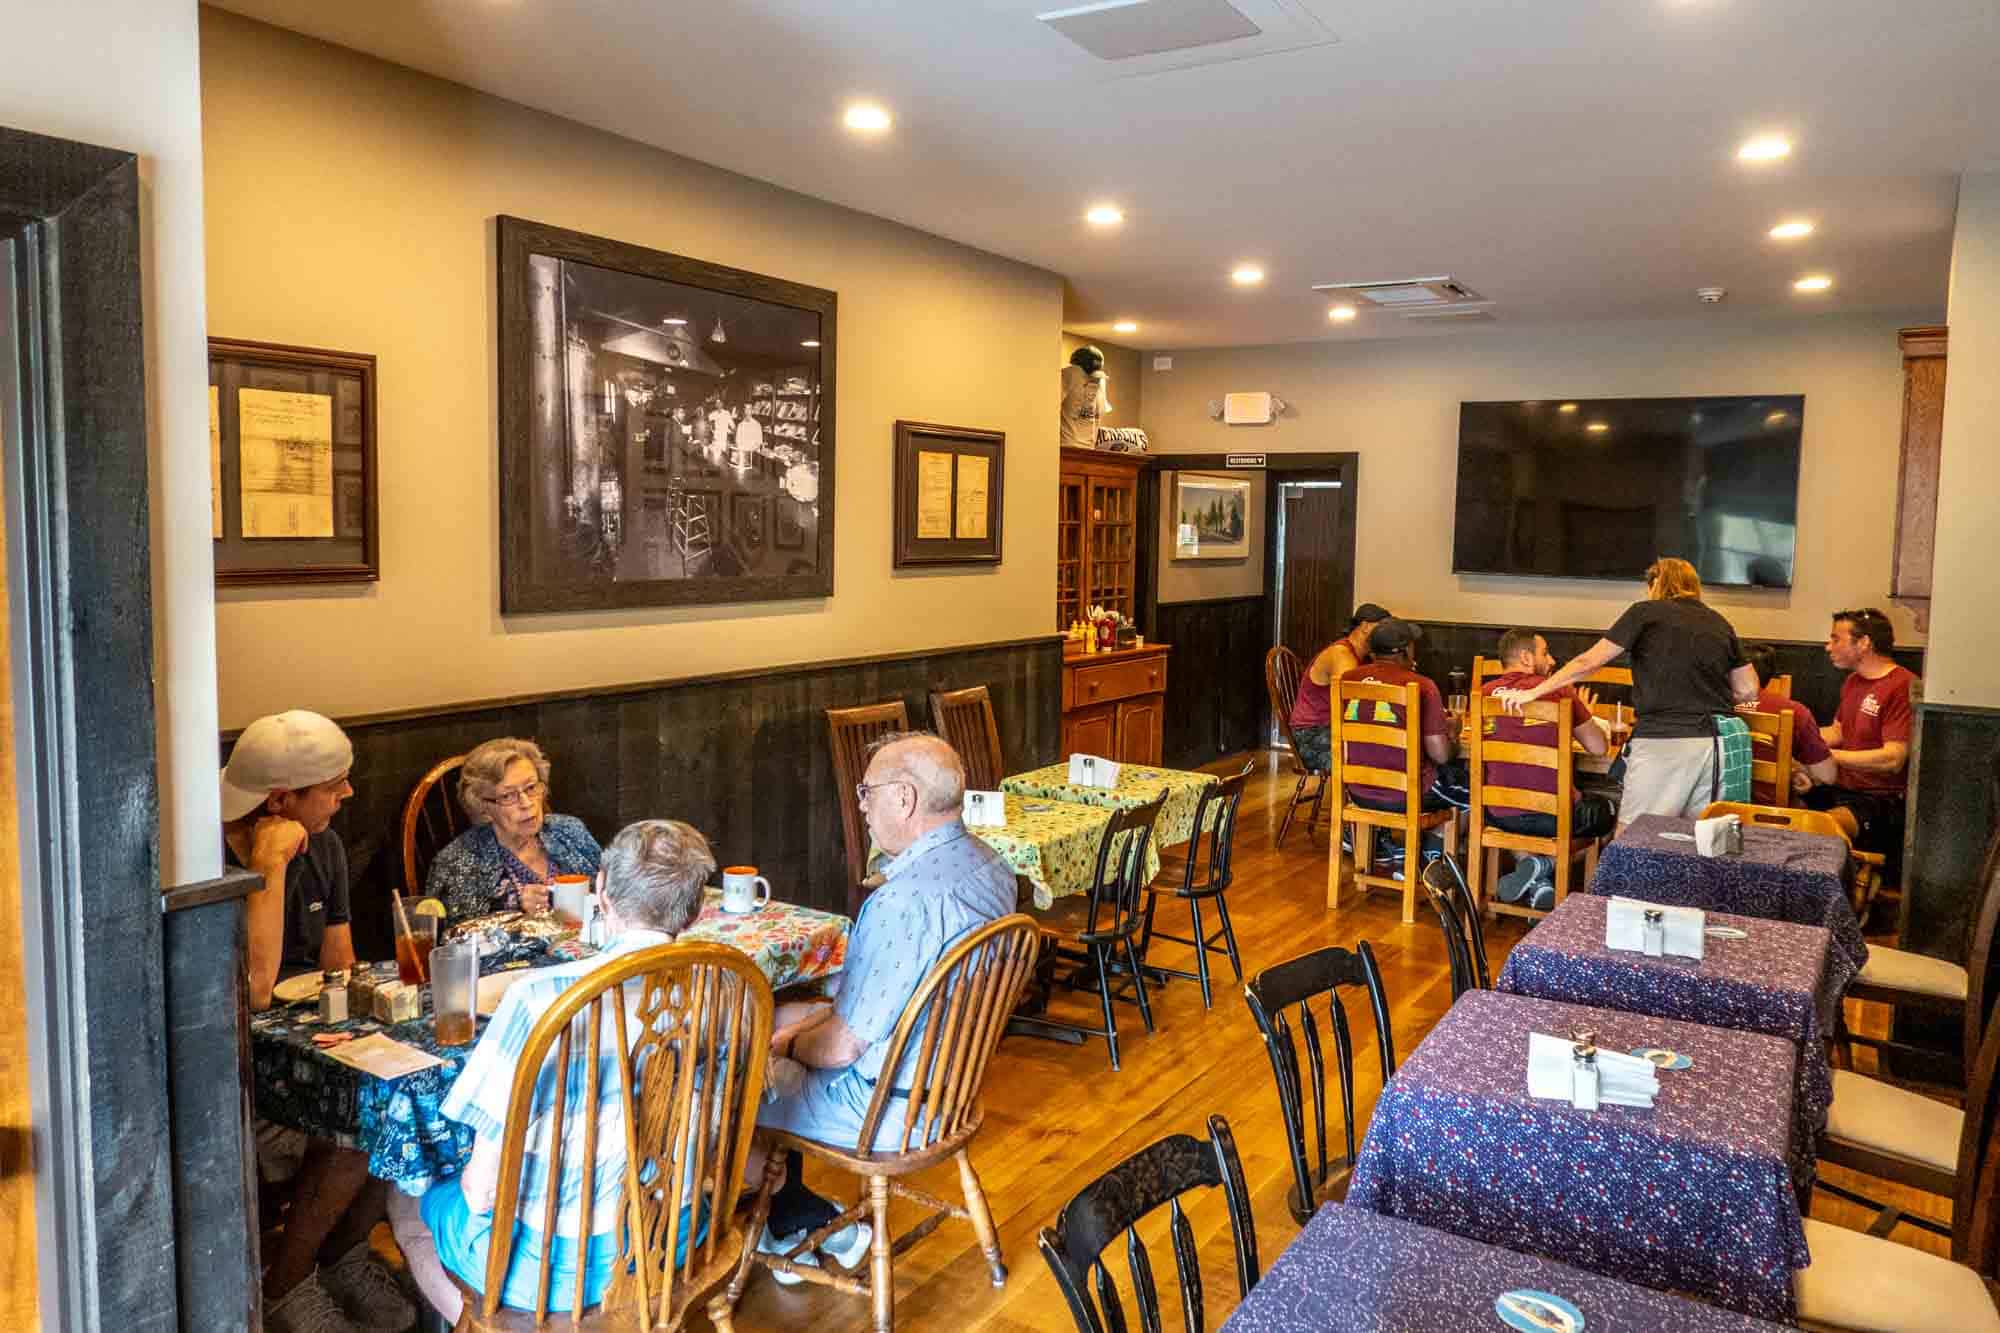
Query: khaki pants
<point>1667,777</point>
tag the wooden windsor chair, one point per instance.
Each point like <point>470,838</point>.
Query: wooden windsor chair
<point>1282,670</point>
<point>1458,918</point>
<point>432,817</point>
<point>965,719</point>
<point>850,731</point>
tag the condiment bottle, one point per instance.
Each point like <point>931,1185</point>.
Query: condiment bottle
<point>333,997</point>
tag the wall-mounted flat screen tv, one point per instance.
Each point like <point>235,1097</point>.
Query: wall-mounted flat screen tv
<point>1597,488</point>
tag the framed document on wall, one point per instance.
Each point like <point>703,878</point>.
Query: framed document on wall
<point>291,455</point>
<point>949,489</point>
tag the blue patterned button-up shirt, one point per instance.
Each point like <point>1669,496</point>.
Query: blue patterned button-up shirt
<point>939,889</point>
<point>475,875</point>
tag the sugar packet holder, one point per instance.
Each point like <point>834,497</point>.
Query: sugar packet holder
<point>984,809</point>
<point>1087,770</point>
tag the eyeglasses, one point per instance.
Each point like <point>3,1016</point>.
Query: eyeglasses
<point>518,796</point>
<point>861,789</point>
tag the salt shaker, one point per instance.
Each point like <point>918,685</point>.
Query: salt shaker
<point>333,997</point>
<point>1583,1077</point>
<point>1655,933</point>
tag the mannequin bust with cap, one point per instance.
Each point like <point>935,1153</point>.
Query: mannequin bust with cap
<point>1083,398</point>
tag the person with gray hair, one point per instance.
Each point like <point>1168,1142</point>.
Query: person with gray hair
<point>516,847</point>
<point>940,884</point>
<point>649,889</point>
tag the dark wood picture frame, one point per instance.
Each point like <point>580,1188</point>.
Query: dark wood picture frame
<point>920,437</point>
<point>536,434</point>
<point>348,378</point>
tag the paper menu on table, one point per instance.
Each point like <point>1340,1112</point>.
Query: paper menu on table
<point>383,1056</point>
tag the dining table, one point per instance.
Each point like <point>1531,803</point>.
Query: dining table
<point>396,1121</point>
<point>1053,844</point>
<point>1692,1194</point>
<point>1774,977</point>
<point>1780,875</point>
<point>1355,1271</point>
<point>1136,785</point>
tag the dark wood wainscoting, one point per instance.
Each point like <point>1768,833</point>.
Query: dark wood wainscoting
<point>742,756</point>
<point>1215,678</point>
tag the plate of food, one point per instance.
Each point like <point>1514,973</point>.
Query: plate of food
<point>297,990</point>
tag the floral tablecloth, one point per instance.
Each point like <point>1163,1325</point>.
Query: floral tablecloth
<point>1781,876</point>
<point>1135,787</point>
<point>1054,843</point>
<point>1783,980</point>
<point>396,1121</point>
<point>1352,1269</point>
<point>1693,1195</point>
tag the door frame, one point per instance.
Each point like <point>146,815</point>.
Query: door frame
<point>78,546</point>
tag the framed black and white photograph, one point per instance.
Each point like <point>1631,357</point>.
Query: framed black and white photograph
<point>1211,516</point>
<point>659,415</point>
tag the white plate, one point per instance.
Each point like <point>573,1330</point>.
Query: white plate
<point>293,990</point>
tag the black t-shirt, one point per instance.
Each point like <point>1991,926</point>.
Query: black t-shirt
<point>315,898</point>
<point>1682,654</point>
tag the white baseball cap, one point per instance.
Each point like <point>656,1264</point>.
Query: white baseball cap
<point>282,752</point>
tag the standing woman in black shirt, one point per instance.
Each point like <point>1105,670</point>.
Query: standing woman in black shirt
<point>1687,670</point>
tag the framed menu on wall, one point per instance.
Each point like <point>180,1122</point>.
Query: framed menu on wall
<point>949,493</point>
<point>291,452</point>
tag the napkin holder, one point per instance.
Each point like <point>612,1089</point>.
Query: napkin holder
<point>1577,1071</point>
<point>1087,770</point>
<point>1721,836</point>
<point>984,809</point>
<point>1653,929</point>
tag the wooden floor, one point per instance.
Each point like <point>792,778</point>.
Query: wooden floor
<point>1056,1117</point>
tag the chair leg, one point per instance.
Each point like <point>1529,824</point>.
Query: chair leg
<point>1100,952</point>
<point>882,1276</point>
<point>1291,807</point>
<point>982,1219</point>
<point>1229,935</point>
<point>1413,860</point>
<point>1200,952</point>
<point>1146,929</point>
<point>722,1315</point>
<point>1319,799</point>
<point>774,1165</point>
<point>1139,981</point>
<point>1565,859</point>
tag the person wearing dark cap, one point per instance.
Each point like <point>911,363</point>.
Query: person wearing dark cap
<point>1393,661</point>
<point>1312,710</point>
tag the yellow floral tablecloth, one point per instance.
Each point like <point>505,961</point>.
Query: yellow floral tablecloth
<point>1054,843</point>
<point>1136,786</point>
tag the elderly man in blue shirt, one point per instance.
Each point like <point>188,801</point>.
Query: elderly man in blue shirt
<point>940,884</point>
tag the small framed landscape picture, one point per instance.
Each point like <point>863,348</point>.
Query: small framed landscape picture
<point>1211,517</point>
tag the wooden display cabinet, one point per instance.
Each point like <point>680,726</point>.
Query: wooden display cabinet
<point>1097,533</point>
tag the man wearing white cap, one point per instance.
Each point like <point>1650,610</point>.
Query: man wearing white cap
<point>286,776</point>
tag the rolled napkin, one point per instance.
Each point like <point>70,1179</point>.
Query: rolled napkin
<point>1087,770</point>
<point>1622,1080</point>
<point>1721,836</point>
<point>1681,927</point>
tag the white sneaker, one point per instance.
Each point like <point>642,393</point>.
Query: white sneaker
<point>849,1246</point>
<point>368,1292</point>
<point>307,1308</point>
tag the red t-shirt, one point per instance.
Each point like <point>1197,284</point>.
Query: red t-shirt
<point>1808,746</point>
<point>1525,731</point>
<point>1872,713</point>
<point>1432,721</point>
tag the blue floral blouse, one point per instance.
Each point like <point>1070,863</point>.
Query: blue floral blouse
<point>475,874</point>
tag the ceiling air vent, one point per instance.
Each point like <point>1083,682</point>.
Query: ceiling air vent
<point>1403,294</point>
<point>1125,29</point>
<point>1465,314</point>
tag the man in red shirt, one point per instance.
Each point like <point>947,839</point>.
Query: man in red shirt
<point>1870,735</point>
<point>1525,655</point>
<point>1394,662</point>
<point>1811,760</point>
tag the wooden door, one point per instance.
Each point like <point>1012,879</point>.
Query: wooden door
<point>1091,731</point>
<point>1139,725</point>
<point>1316,573</point>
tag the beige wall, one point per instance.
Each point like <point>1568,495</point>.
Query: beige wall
<point>1395,402</point>
<point>1965,580</point>
<point>1210,580</point>
<point>351,206</point>
<point>1120,363</point>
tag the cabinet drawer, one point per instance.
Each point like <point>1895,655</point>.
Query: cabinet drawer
<point>1119,680</point>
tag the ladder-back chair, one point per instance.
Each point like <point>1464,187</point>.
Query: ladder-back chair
<point>1412,821</point>
<point>965,719</point>
<point>1486,840</point>
<point>685,1044</point>
<point>948,1030</point>
<point>1798,819</point>
<point>850,731</point>
<point>1282,672</point>
<point>1770,756</point>
<point>432,817</point>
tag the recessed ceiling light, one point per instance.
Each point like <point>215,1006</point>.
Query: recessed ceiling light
<point>1791,231</point>
<point>1104,215</point>
<point>1765,148</point>
<point>1247,275</point>
<point>673,321</point>
<point>1598,427</point>
<point>1816,282</point>
<point>1340,314</point>
<point>1124,326</point>
<point>810,342</point>
<point>1567,407</point>
<point>867,117</point>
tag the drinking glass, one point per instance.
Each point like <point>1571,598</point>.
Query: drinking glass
<point>455,992</point>
<point>413,949</point>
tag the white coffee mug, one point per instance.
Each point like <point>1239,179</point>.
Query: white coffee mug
<point>743,889</point>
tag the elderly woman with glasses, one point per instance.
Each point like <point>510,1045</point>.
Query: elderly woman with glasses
<point>515,847</point>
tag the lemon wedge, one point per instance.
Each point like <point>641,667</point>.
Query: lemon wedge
<point>429,907</point>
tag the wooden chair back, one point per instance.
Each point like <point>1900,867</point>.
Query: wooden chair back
<point>1982,959</point>
<point>1289,988</point>
<point>1774,731</point>
<point>1453,924</point>
<point>956,1018</point>
<point>432,817</point>
<point>1609,675</point>
<point>1781,686</point>
<point>965,719</point>
<point>1975,1216</point>
<point>684,1048</point>
<point>1115,1202</point>
<point>1452,882</point>
<point>1555,715</point>
<point>1484,669</point>
<point>850,731</point>
<point>1118,886</point>
<point>1212,850</point>
<point>1282,670</point>
<point>1371,728</point>
<point>1795,818</point>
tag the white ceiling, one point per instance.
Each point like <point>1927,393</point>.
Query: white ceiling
<point>1569,159</point>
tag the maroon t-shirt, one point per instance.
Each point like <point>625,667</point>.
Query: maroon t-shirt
<point>1873,713</point>
<point>1432,721</point>
<point>1525,731</point>
<point>1808,746</point>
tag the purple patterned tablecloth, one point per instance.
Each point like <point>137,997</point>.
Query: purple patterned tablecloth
<point>1784,980</point>
<point>1351,1269</point>
<point>1781,876</point>
<point>1694,1194</point>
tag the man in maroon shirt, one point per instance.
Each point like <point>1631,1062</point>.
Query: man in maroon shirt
<point>1811,760</point>
<point>1870,735</point>
<point>1394,662</point>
